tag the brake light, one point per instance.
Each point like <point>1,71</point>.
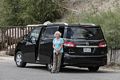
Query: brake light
<point>102,44</point>
<point>69,44</point>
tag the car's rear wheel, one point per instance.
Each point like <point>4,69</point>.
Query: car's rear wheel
<point>19,59</point>
<point>93,69</point>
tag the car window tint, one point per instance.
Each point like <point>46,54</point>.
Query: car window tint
<point>35,33</point>
<point>84,33</point>
<point>49,32</point>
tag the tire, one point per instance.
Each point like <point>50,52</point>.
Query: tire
<point>19,59</point>
<point>49,66</point>
<point>93,69</point>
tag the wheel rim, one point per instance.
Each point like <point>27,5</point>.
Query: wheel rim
<point>18,59</point>
<point>49,66</point>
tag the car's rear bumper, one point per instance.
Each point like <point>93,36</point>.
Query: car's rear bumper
<point>85,61</point>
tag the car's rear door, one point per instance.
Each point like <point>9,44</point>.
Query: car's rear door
<point>87,41</point>
<point>45,44</point>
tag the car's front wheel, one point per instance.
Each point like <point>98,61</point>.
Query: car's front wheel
<point>19,59</point>
<point>93,69</point>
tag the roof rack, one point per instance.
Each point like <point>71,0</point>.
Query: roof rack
<point>34,25</point>
<point>56,23</point>
<point>60,23</point>
<point>47,22</point>
<point>88,24</point>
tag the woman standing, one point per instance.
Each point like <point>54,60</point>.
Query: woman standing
<point>58,51</point>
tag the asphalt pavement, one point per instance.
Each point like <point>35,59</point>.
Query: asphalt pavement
<point>9,71</point>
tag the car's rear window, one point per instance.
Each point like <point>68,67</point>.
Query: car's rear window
<point>89,33</point>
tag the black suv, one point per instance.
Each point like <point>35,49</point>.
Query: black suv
<point>84,46</point>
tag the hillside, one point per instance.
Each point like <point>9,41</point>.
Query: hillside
<point>78,7</point>
<point>88,5</point>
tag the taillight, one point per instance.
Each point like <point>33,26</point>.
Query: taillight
<point>102,44</point>
<point>69,44</point>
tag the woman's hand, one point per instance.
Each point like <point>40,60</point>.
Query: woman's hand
<point>57,50</point>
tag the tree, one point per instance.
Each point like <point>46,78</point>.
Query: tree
<point>23,12</point>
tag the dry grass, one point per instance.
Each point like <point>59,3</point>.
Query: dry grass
<point>90,5</point>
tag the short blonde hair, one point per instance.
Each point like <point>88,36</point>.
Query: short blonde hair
<point>57,32</point>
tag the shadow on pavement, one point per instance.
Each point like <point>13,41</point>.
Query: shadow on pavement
<point>37,67</point>
<point>71,70</point>
<point>82,70</point>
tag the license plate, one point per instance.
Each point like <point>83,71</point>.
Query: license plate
<point>86,49</point>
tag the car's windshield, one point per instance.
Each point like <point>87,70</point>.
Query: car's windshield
<point>90,33</point>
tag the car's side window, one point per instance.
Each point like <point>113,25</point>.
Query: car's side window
<point>49,33</point>
<point>34,35</point>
